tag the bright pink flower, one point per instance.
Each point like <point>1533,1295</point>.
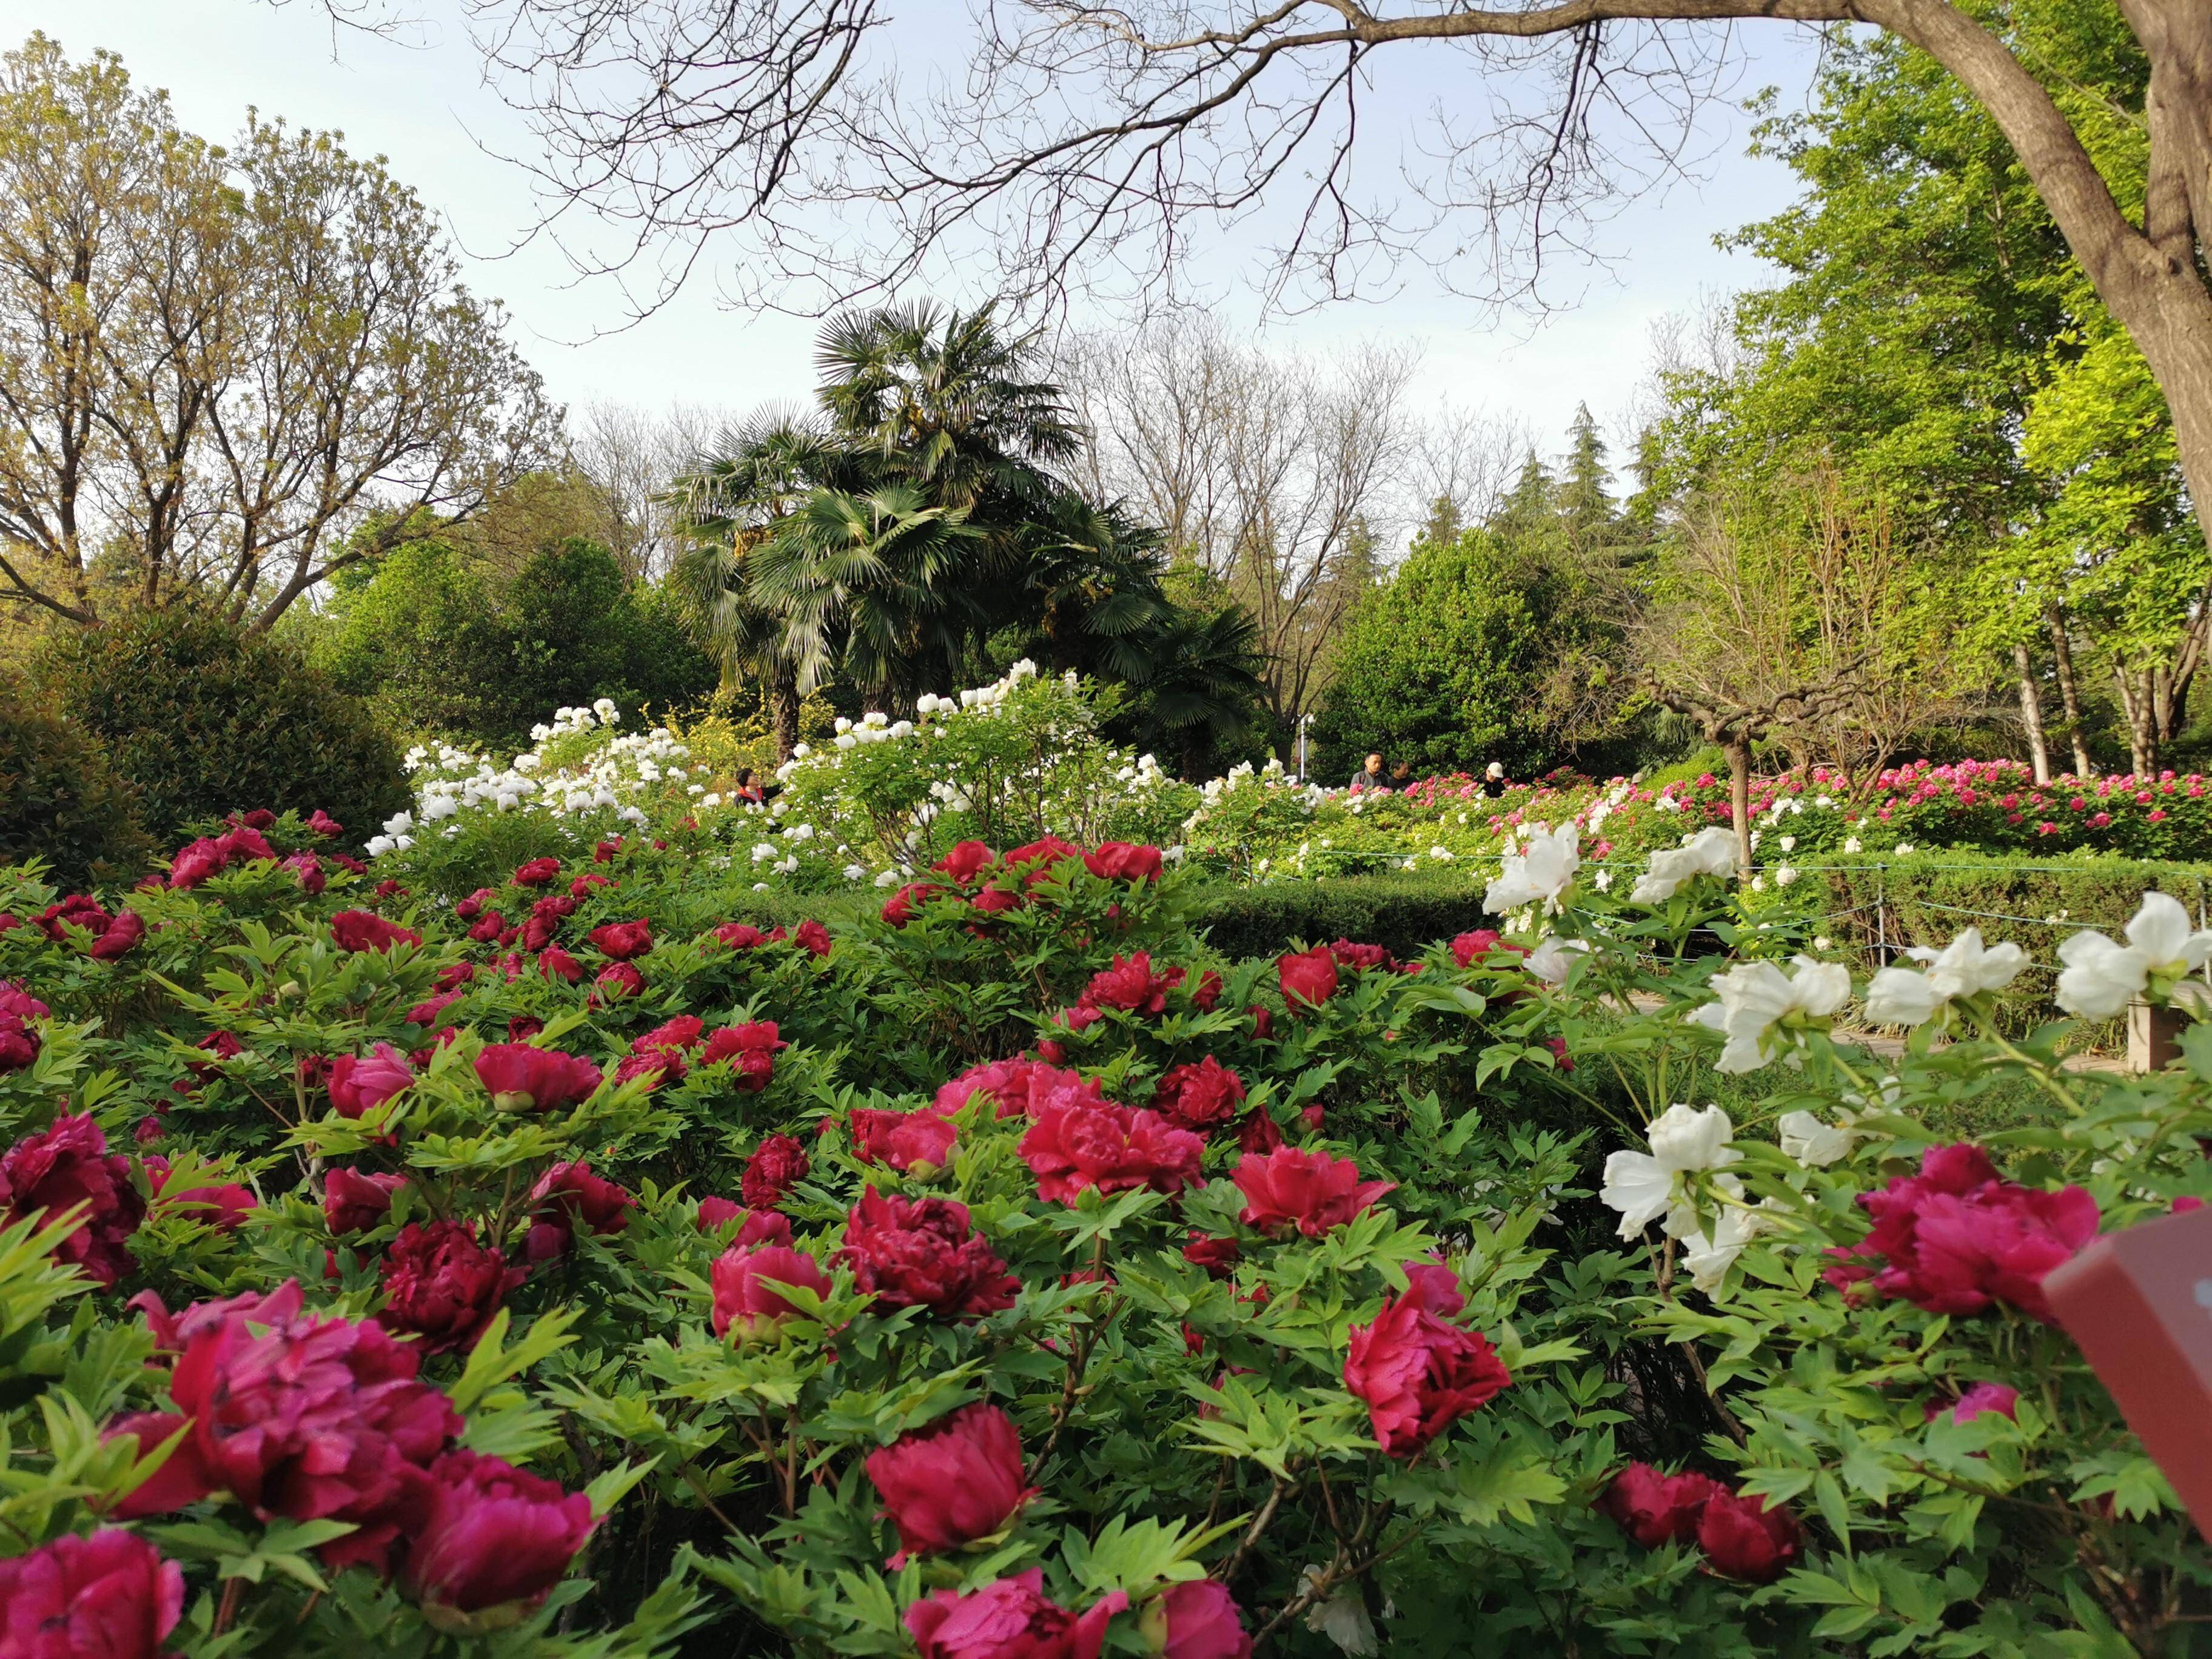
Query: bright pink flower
<point>442,1283</point>
<point>65,1165</point>
<point>354,1201</point>
<point>904,1140</point>
<point>622,940</point>
<point>745,1280</point>
<point>1132,985</point>
<point>925,1253</point>
<point>493,1534</point>
<point>1978,1398</point>
<point>750,1049</point>
<point>184,1477</point>
<point>958,1480</point>
<point>1309,1190</point>
<point>1199,1620</point>
<point>620,980</point>
<point>359,1083</point>
<point>568,1196</point>
<point>1009,1620</point>
<point>107,1596</point>
<point>965,862</point>
<point>223,1207</point>
<point>523,1079</point>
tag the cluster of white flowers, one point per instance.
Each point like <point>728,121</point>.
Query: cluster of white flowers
<point>2101,976</point>
<point>1539,872</point>
<point>1646,1186</point>
<point>1759,1008</point>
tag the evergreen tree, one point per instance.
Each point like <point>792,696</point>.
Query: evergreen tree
<point>1583,501</point>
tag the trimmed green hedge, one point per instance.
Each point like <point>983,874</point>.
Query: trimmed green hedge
<point>1901,902</point>
<point>1404,913</point>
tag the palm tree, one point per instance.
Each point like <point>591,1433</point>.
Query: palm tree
<point>1200,689</point>
<point>1091,584</point>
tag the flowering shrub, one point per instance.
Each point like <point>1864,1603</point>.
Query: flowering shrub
<point>1009,1274</point>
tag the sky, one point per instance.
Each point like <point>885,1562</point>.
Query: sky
<point>423,105</point>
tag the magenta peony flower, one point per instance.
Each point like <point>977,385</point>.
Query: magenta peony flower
<point>67,1165</point>
<point>354,1201</point>
<point>107,1596</point>
<point>523,1078</point>
<point>183,1477</point>
<point>777,1166</point>
<point>364,930</point>
<point>493,1534</point>
<point>745,1280</point>
<point>1198,1620</point>
<point>1131,985</point>
<point>904,1140</point>
<point>1743,1539</point>
<point>1418,1374</point>
<point>568,1196</point>
<point>622,939</point>
<point>958,1480</point>
<point>358,1083</point>
<point>1084,1144</point>
<point>925,1253</point>
<point>750,1049</point>
<point>440,1284</point>
<point>1201,1096</point>
<point>1009,1620</point>
<point>1309,1190</point>
<point>1654,1507</point>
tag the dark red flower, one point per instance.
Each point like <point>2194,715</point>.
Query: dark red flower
<point>66,1165</point>
<point>120,937</point>
<point>1132,985</point>
<point>1309,1190</point>
<point>492,1534</point>
<point>1361,958</point>
<point>184,1477</point>
<point>776,1167</point>
<point>354,1201</point>
<point>1207,992</point>
<point>620,980</point>
<point>622,940</point>
<point>605,851</point>
<point>475,905</point>
<point>1078,1143</point>
<point>1041,860</point>
<point>537,872</point>
<point>107,1596</point>
<point>308,871</point>
<point>904,1140</point>
<point>488,927</point>
<point>1743,1539</point>
<point>740,936</point>
<point>757,1226</point>
<point>387,889</point>
<point>745,1278</point>
<point>1259,1132</point>
<point>568,1196</point>
<point>523,1079</point>
<point>1201,1096</point>
<point>1309,978</point>
<point>1656,1508</point>
<point>970,860</point>
<point>1011,1619</point>
<point>442,1283</point>
<point>750,1049</point>
<point>925,1253</point>
<point>346,861</point>
<point>812,938</point>
<point>958,1479</point>
<point>1217,1256</point>
<point>1418,1374</point>
<point>358,1083</point>
<point>1118,861</point>
<point>364,930</point>
<point>310,1418</point>
<point>1263,1023</point>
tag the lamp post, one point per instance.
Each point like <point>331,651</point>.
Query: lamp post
<point>1304,720</point>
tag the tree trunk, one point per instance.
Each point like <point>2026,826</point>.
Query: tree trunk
<point>2138,690</point>
<point>783,703</point>
<point>2031,714</point>
<point>2070,694</point>
<point>1739,760</point>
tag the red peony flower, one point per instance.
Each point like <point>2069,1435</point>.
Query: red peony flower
<point>1041,860</point>
<point>470,908</point>
<point>1956,1237</point>
<point>1361,958</point>
<point>1009,1620</point>
<point>1418,1374</point>
<point>751,1051</point>
<point>1218,1256</point>
<point>904,1140</point>
<point>107,1596</point>
<point>1132,985</point>
<point>1263,1023</point>
<point>364,930</point>
<point>620,980</point>
<point>492,1534</point>
<point>1119,861</point>
<point>1656,1508</point>
<point>359,1083</point>
<point>442,1283</point>
<point>1308,977</point>
<point>777,1166</point>
<point>970,860</point>
<point>1198,1620</point>
<point>1203,1096</point>
<point>489,926</point>
<point>1080,1144</point>
<point>1010,1085</point>
<point>1979,1398</point>
<point>310,1418</point>
<point>322,823</point>
<point>958,1479</point>
<point>901,907</point>
<point>812,938</point>
<point>568,1196</point>
<point>119,937</point>
<point>354,1202</point>
<point>307,870</point>
<point>1259,1132</point>
<point>523,1078</point>
<point>1743,1539</point>
<point>182,1478</point>
<point>1309,1190</point>
<point>222,1207</point>
<point>622,940</point>
<point>67,1165</point>
<point>537,872</point>
<point>995,901</point>
<point>745,1280</point>
<point>740,936</point>
<point>1209,992</point>
<point>1469,948</point>
<point>925,1253</point>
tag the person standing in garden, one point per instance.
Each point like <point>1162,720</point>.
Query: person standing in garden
<point>1493,780</point>
<point>1370,776</point>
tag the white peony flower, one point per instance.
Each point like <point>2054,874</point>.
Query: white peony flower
<point>1852,844</point>
<point>1905,996</point>
<point>1812,1143</point>
<point>1708,1258</point>
<point>1645,1186</point>
<point>2101,976</point>
<point>1710,851</point>
<point>1787,843</point>
<point>1542,871</point>
<point>1552,957</point>
<point>1755,997</point>
<point>1785,876</point>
